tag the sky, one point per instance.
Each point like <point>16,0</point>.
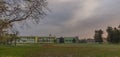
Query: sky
<point>76,18</point>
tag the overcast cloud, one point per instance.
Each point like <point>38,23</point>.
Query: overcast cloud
<point>77,18</point>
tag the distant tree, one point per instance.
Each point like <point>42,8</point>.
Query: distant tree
<point>119,26</point>
<point>110,34</point>
<point>113,35</point>
<point>74,40</point>
<point>116,34</point>
<point>98,36</point>
<point>14,37</point>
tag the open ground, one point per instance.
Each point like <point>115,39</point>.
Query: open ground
<point>61,50</point>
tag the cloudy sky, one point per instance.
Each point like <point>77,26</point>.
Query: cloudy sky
<point>77,18</point>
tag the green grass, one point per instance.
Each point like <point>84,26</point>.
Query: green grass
<point>17,51</point>
<point>61,50</point>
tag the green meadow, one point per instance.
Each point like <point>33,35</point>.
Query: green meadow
<point>61,50</point>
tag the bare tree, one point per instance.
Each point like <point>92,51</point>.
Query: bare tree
<point>14,11</point>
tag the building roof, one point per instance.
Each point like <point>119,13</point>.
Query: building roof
<point>36,36</point>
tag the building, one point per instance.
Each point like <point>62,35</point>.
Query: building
<point>90,41</point>
<point>35,39</point>
<point>60,40</point>
<point>67,40</point>
<point>46,39</point>
<point>26,39</point>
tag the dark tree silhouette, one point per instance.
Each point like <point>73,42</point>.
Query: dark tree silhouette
<point>74,40</point>
<point>98,36</point>
<point>110,34</point>
<point>113,35</point>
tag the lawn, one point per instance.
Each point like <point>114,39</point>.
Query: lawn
<point>61,50</point>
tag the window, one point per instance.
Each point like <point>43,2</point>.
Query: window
<point>24,40</point>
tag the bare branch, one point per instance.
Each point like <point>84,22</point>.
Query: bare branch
<point>20,10</point>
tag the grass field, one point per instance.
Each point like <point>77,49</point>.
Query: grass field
<point>61,50</point>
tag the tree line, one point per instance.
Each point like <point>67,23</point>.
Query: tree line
<point>113,35</point>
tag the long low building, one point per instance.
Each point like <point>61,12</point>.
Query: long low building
<point>35,39</point>
<point>49,39</point>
